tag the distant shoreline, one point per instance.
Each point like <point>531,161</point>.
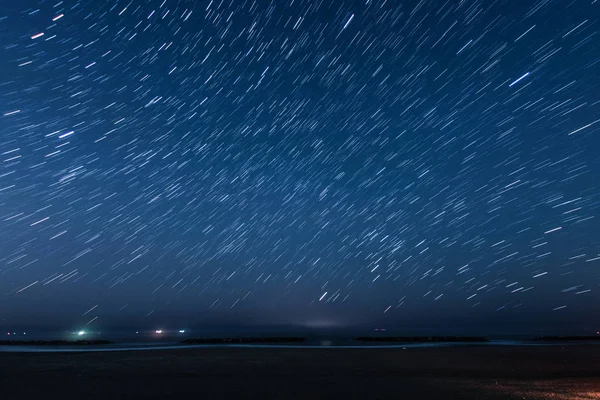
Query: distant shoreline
<point>361,342</point>
<point>54,342</point>
<point>567,338</point>
<point>244,340</point>
<point>424,339</point>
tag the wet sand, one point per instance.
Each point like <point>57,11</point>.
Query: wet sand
<point>477,372</point>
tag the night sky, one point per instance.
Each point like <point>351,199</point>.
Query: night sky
<point>312,163</point>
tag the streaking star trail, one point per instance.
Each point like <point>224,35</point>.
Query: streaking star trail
<point>287,161</point>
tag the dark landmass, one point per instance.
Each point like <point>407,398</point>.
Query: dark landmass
<point>423,339</point>
<point>53,342</point>
<point>474,372</point>
<point>244,340</point>
<point>568,338</point>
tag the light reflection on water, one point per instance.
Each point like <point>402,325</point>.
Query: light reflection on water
<point>330,344</point>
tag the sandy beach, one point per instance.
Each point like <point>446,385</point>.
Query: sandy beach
<point>474,372</point>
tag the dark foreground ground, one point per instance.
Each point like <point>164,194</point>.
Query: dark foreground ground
<point>544,372</point>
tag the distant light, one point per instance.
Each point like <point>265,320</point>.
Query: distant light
<point>182,331</point>
<point>159,331</point>
<point>81,333</point>
<point>8,333</point>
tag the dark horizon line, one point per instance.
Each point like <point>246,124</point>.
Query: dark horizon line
<point>356,330</point>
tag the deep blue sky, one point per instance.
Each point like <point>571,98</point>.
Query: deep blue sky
<point>300,162</point>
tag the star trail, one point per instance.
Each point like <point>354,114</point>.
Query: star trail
<point>339,161</point>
